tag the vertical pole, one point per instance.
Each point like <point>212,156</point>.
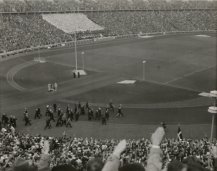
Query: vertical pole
<point>76,58</point>
<point>143,70</point>
<point>212,127</point>
<point>39,55</point>
<point>216,62</point>
<point>215,102</point>
<point>82,54</point>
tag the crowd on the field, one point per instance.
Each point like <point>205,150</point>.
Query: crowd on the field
<point>82,153</point>
<point>18,31</point>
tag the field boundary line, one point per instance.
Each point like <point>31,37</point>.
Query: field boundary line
<point>189,74</point>
<point>167,105</point>
<point>13,71</point>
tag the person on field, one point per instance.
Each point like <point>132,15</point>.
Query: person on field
<point>4,119</point>
<point>27,119</point>
<point>77,116</point>
<point>55,107</point>
<point>37,113</point>
<point>49,87</point>
<point>59,111</point>
<point>103,120</point>
<point>59,120</point>
<point>74,75</point>
<point>69,123</point>
<point>55,86</point>
<point>14,123</point>
<point>111,106</point>
<point>107,113</point>
<point>120,113</point>
<point>48,123</point>
<point>51,115</point>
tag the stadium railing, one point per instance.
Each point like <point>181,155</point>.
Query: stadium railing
<point>10,54</point>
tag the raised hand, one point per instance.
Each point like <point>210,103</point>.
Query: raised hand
<point>120,148</point>
<point>213,151</point>
<point>46,147</point>
<point>157,136</point>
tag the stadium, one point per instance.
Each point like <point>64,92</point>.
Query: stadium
<point>85,74</point>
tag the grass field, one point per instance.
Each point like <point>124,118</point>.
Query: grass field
<point>139,93</point>
<point>177,68</point>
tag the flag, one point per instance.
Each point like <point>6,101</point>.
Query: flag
<point>179,134</point>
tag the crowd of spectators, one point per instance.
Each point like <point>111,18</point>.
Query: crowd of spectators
<point>24,31</point>
<point>71,5</point>
<point>18,31</point>
<point>154,21</point>
<point>79,152</point>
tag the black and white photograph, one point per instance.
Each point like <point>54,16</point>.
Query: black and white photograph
<point>108,85</point>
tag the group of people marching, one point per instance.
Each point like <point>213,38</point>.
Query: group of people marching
<point>52,87</point>
<point>65,117</point>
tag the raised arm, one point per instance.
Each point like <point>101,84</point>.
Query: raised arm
<point>112,163</point>
<point>155,157</point>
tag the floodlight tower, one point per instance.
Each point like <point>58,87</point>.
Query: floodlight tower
<point>213,94</point>
<point>76,55</point>
<point>213,110</point>
<point>39,58</point>
<point>75,51</point>
<point>76,70</point>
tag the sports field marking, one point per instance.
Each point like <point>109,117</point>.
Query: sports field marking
<point>170,85</point>
<point>145,37</point>
<point>189,74</point>
<point>127,82</point>
<point>202,35</point>
<point>13,71</point>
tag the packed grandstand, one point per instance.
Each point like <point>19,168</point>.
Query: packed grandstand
<point>28,23</point>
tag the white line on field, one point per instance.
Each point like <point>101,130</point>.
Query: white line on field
<point>189,74</point>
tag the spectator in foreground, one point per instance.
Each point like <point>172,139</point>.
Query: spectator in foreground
<point>154,160</point>
<point>95,164</point>
<point>29,165</point>
<point>112,163</point>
